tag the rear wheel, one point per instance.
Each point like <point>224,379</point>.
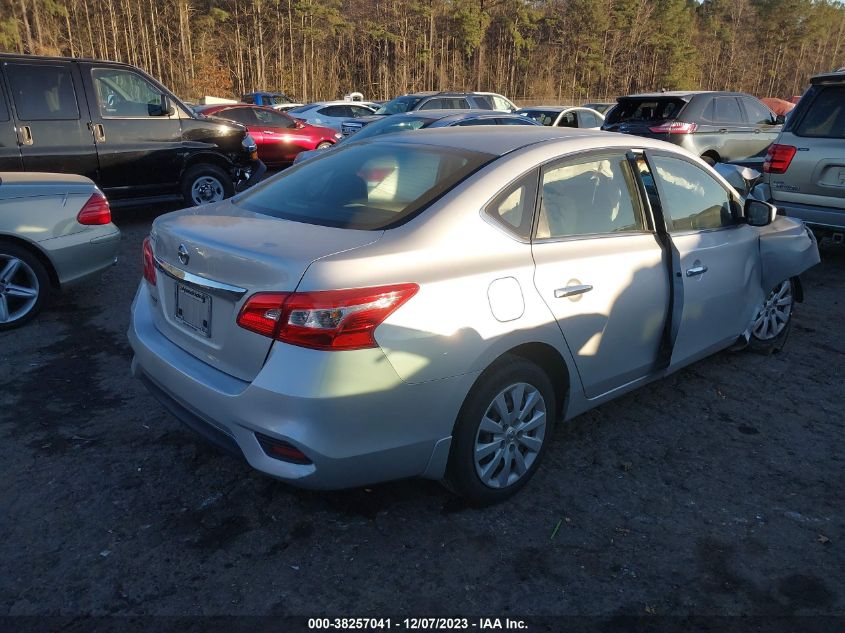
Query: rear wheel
<point>206,183</point>
<point>710,158</point>
<point>24,286</point>
<point>774,319</point>
<point>502,432</point>
<point>324,145</point>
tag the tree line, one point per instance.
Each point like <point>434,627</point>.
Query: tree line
<point>552,50</point>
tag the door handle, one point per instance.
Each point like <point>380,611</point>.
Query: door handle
<point>723,130</point>
<point>26,135</point>
<point>696,270</point>
<point>571,291</point>
<point>268,132</point>
<point>99,133</point>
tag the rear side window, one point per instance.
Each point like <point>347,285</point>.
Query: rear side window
<point>646,110</point>
<point>724,110</point>
<point>588,197</point>
<point>482,101</point>
<point>42,93</point>
<point>477,121</point>
<point>543,117</point>
<point>369,186</point>
<point>337,110</point>
<point>513,121</point>
<point>514,207</point>
<point>588,119</point>
<point>826,116</point>
<point>690,197</point>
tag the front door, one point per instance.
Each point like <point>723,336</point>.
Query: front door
<point>601,272</point>
<point>51,117</point>
<point>139,144</point>
<point>716,253</point>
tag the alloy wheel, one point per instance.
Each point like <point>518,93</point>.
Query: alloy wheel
<point>775,312</point>
<point>510,435</point>
<point>19,288</point>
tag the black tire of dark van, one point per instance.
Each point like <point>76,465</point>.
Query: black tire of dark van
<point>206,183</point>
<point>462,471</point>
<point>29,274</point>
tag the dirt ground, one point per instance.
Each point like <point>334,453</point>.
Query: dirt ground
<point>718,490</point>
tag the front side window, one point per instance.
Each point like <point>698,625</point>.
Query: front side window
<point>567,119</point>
<point>369,186</point>
<point>271,118</point>
<point>502,103</point>
<point>757,113</point>
<point>543,117</point>
<point>826,116</point>
<point>388,125</point>
<point>691,199</point>
<point>434,104</point>
<point>399,105</point>
<point>42,93</point>
<point>588,119</point>
<point>594,195</point>
<point>125,94</point>
<point>360,111</point>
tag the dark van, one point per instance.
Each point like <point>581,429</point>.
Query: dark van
<point>118,126</point>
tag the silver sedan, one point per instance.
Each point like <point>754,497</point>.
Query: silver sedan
<point>55,231</point>
<point>429,304</point>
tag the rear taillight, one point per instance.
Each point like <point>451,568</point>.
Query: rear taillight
<point>95,211</point>
<point>778,159</point>
<point>674,127</point>
<point>148,261</point>
<point>326,320</point>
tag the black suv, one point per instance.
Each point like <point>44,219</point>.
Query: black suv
<point>432,101</point>
<point>721,127</point>
<point>118,126</point>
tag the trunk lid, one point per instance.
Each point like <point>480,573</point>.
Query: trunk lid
<point>211,259</point>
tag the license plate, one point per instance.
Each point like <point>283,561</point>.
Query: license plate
<point>193,309</point>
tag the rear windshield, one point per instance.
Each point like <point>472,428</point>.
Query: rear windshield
<point>826,115</point>
<point>399,105</point>
<point>369,186</point>
<point>645,110</point>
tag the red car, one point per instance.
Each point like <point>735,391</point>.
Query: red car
<point>279,136</point>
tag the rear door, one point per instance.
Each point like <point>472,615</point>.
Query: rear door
<point>599,269</point>
<point>139,145</point>
<point>725,129</point>
<point>714,251</point>
<point>816,174</point>
<point>10,153</point>
<point>52,117</point>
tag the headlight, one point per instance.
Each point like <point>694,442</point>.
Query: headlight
<point>249,144</point>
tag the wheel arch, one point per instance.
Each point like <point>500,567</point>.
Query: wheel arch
<point>210,158</point>
<point>36,252</point>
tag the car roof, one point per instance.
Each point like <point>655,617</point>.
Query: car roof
<point>316,104</point>
<point>551,108</point>
<point>499,141</point>
<point>680,94</point>
<point>834,77</point>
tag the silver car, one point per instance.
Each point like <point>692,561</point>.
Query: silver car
<point>429,304</point>
<point>55,231</point>
<point>331,113</point>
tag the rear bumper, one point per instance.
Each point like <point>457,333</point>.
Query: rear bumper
<point>82,255</point>
<point>825,218</point>
<point>348,412</point>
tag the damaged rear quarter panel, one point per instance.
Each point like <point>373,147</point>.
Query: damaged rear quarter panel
<point>787,249</point>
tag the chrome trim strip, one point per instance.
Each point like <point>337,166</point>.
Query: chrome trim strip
<point>213,287</point>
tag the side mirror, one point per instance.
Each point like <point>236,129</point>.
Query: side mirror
<point>299,123</point>
<point>759,213</point>
<point>165,107</point>
<point>780,119</point>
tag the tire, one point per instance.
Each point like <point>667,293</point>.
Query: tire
<point>324,145</point>
<point>21,271</point>
<point>205,184</point>
<point>710,159</point>
<point>495,476</point>
<point>773,320</point>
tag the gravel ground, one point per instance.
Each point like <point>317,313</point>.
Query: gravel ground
<point>718,490</point>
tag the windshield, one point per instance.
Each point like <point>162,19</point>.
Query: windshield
<point>544,117</point>
<point>368,186</point>
<point>645,110</point>
<point>398,105</point>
